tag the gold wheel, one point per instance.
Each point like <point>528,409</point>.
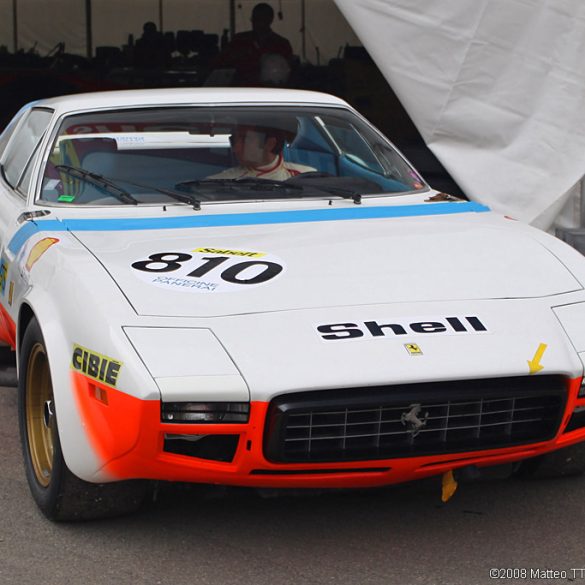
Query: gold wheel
<point>40,417</point>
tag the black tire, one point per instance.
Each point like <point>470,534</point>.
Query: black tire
<point>7,356</point>
<point>60,495</point>
<point>567,462</point>
<point>7,366</point>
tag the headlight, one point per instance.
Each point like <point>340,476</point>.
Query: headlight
<point>205,412</point>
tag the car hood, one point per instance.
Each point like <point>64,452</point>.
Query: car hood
<point>234,267</point>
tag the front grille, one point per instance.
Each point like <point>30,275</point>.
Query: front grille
<point>415,419</point>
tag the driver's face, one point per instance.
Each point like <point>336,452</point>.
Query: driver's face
<point>251,147</point>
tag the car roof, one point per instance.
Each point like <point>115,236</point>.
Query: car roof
<point>185,96</point>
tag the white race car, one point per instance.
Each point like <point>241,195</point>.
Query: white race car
<point>253,288</point>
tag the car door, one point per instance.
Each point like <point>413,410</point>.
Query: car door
<point>19,146</point>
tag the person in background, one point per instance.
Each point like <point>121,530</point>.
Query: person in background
<point>259,56</point>
<point>259,152</point>
<point>150,50</point>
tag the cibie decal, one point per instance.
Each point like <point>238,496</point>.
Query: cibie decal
<point>38,250</point>
<point>95,365</point>
<point>208,270</point>
<point>405,326</point>
<point>4,265</point>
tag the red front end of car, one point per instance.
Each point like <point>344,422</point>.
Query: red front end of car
<point>326,440</point>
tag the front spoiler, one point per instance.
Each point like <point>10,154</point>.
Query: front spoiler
<point>127,436</point>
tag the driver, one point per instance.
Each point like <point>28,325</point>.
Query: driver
<point>258,150</point>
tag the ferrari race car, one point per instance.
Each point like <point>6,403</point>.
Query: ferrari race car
<point>254,288</point>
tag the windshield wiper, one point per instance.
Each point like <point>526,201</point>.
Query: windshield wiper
<point>99,181</point>
<point>239,184</point>
<point>345,193</point>
<point>322,182</point>
<point>182,197</point>
<point>266,184</point>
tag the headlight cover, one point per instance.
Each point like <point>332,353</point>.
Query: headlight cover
<point>205,412</point>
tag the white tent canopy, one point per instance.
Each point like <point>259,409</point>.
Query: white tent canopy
<point>496,88</point>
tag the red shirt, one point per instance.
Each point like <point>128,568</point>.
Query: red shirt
<point>245,53</point>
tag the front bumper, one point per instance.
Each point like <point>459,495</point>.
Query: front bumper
<point>128,438</point>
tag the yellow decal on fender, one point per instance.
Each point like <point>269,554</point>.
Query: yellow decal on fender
<point>229,252</point>
<point>534,364</point>
<point>38,250</point>
<point>95,365</point>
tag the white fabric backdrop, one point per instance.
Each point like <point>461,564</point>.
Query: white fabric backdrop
<point>496,88</point>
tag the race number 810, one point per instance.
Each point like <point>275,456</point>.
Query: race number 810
<point>250,272</point>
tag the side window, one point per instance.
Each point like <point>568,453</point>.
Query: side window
<point>24,184</point>
<point>7,132</point>
<point>19,151</point>
<point>354,146</point>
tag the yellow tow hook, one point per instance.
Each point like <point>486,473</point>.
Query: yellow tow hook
<point>449,486</point>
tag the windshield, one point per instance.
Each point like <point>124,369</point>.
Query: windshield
<point>198,154</point>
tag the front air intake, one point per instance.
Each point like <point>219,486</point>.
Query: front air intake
<point>413,420</point>
<point>211,447</point>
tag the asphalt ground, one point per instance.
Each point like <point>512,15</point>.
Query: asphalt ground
<point>199,535</point>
